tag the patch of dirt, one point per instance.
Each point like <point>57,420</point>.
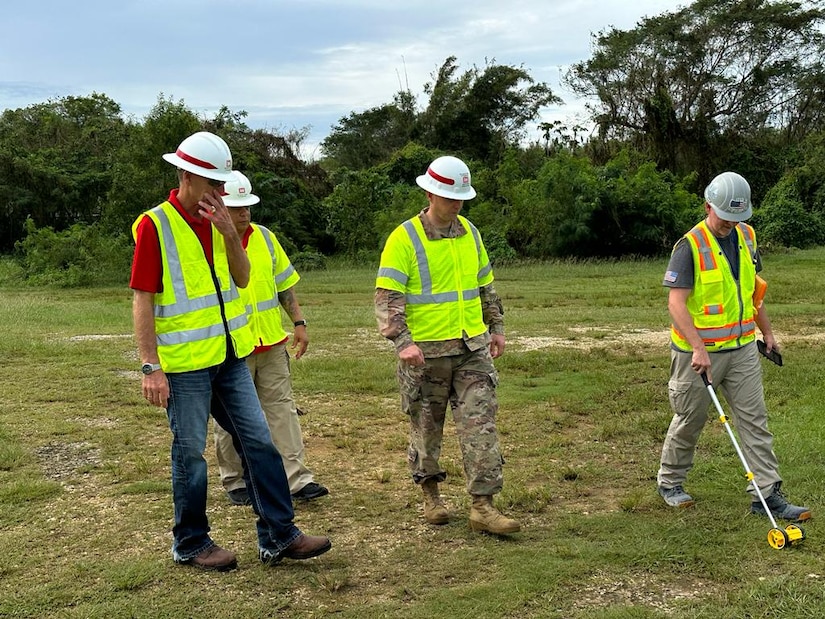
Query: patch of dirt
<point>648,590</point>
<point>588,338</point>
<point>62,460</point>
<point>95,422</point>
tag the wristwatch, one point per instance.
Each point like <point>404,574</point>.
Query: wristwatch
<point>300,323</point>
<point>148,368</point>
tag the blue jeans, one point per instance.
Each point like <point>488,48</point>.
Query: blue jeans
<point>227,390</point>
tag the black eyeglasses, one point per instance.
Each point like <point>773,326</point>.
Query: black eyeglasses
<point>214,183</point>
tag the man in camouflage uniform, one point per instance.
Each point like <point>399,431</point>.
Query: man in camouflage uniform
<point>436,302</point>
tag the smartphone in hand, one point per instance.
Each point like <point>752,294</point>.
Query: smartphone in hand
<point>772,356</point>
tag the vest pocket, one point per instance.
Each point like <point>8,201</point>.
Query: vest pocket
<point>712,287</point>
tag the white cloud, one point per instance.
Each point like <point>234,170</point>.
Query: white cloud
<point>288,62</point>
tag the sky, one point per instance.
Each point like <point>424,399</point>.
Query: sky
<point>291,64</point>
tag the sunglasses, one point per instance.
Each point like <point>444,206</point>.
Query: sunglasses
<point>214,183</point>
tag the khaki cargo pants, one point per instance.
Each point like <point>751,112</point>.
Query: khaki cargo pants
<point>737,376</point>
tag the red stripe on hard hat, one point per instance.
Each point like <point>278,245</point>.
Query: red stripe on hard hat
<point>439,178</point>
<point>197,162</point>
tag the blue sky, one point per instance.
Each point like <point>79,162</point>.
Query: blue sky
<point>289,64</point>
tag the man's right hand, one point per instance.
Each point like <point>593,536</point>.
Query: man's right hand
<point>412,355</point>
<point>700,362</point>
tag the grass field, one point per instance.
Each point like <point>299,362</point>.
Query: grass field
<point>86,510</point>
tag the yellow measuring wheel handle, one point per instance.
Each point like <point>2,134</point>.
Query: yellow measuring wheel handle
<point>777,538</point>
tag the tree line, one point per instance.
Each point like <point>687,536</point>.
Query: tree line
<point>718,85</point>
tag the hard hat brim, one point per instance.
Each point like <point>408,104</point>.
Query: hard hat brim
<point>737,217</point>
<point>239,202</point>
<point>427,183</point>
<point>215,175</point>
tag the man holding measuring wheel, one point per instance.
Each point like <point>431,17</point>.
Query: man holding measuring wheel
<point>712,277</point>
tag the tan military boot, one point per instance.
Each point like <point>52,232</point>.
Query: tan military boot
<point>485,517</point>
<point>434,510</point>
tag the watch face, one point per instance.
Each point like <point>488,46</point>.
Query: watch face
<point>148,368</point>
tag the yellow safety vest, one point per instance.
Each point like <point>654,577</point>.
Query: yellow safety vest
<point>722,308</point>
<point>270,272</point>
<point>440,280</point>
<point>199,304</point>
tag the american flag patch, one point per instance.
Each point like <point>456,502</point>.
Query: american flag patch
<point>671,276</point>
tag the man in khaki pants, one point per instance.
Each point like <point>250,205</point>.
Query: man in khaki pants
<point>711,279</point>
<point>272,278</point>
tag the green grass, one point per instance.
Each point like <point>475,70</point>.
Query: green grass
<point>86,511</point>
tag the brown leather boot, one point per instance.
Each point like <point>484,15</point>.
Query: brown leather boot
<point>304,547</point>
<point>215,558</point>
<point>434,510</point>
<point>485,517</point>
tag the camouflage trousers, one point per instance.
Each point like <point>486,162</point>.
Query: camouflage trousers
<point>468,382</point>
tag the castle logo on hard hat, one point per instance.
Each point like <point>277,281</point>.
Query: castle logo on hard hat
<point>465,180</point>
<point>242,190</point>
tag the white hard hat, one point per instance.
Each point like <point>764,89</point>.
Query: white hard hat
<point>238,191</point>
<point>204,154</point>
<point>729,195</point>
<point>448,177</point>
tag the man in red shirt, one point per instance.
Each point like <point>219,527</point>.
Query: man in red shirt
<point>192,335</point>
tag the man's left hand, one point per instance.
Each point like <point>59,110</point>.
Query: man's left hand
<point>300,340</point>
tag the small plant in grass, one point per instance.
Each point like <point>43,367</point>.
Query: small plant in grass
<point>383,476</point>
<point>532,500</point>
<point>568,474</point>
<point>331,581</point>
<point>639,500</point>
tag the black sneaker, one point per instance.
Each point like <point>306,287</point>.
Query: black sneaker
<point>311,491</point>
<point>780,507</point>
<point>239,496</point>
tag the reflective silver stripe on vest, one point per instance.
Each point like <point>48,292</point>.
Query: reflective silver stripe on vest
<point>262,306</point>
<point>727,333</point>
<point>421,257</point>
<point>748,240</point>
<point>184,304</point>
<point>274,302</point>
<point>487,268</point>
<point>284,275</point>
<point>427,297</point>
<point>280,278</point>
<point>704,248</point>
<point>189,336</point>
<point>441,297</point>
<point>394,274</point>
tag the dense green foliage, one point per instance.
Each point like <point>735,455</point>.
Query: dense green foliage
<point>714,86</point>
<point>688,87</point>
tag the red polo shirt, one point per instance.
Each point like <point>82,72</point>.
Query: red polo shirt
<point>147,267</point>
